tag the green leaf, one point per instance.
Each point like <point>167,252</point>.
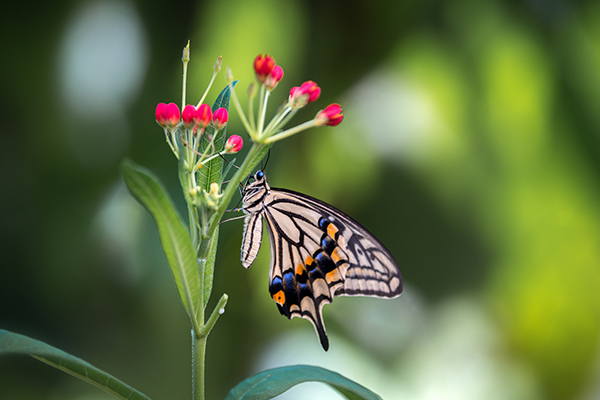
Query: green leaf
<point>209,267</point>
<point>274,382</point>
<point>13,343</point>
<point>212,170</point>
<point>173,233</point>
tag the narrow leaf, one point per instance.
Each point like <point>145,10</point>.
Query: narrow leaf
<point>274,382</point>
<point>13,343</point>
<point>209,267</point>
<point>174,235</point>
<point>211,172</point>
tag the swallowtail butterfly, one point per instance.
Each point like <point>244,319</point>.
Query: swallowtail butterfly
<point>317,253</point>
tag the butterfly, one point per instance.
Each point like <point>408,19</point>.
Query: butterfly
<point>317,253</point>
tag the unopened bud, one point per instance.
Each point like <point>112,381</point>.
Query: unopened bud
<point>234,144</point>
<point>218,63</point>
<point>186,53</point>
<point>220,118</point>
<point>263,64</point>
<point>330,116</point>
<point>274,77</point>
<point>187,115</point>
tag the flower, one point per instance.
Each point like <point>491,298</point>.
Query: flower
<point>161,114</point>
<point>274,77</point>
<point>173,115</point>
<point>330,116</point>
<point>263,65</point>
<point>187,115</point>
<point>203,116</point>
<point>234,144</point>
<point>167,114</point>
<point>220,118</point>
<point>308,92</point>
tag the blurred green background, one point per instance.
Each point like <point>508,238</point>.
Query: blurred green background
<point>470,147</point>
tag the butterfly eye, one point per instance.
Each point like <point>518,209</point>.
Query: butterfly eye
<point>259,175</point>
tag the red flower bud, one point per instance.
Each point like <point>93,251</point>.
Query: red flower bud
<point>308,92</point>
<point>234,144</point>
<point>173,115</point>
<point>220,118</point>
<point>263,65</point>
<point>331,115</point>
<point>161,114</point>
<point>203,116</point>
<point>274,77</point>
<point>187,115</point>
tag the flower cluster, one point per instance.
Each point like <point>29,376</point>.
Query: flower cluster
<point>192,119</point>
<point>268,74</point>
<point>191,134</point>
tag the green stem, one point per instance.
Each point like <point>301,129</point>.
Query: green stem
<point>198,360</point>
<point>291,131</point>
<point>263,111</point>
<point>251,113</point>
<point>276,121</point>
<point>240,111</point>
<point>198,339</point>
<point>185,59</point>
<point>218,310</point>
<point>207,89</point>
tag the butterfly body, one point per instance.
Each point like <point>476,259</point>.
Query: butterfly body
<point>317,253</point>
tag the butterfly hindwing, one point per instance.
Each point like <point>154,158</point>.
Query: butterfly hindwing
<point>317,253</point>
<point>253,228</point>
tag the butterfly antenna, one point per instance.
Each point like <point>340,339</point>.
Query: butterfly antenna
<point>224,159</point>
<point>232,219</point>
<point>266,162</point>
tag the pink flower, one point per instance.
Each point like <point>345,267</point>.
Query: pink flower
<point>330,116</point>
<point>187,115</point>
<point>234,144</point>
<point>161,114</point>
<point>203,116</point>
<point>263,65</point>
<point>220,118</point>
<point>274,77</point>
<point>308,92</point>
<point>172,115</point>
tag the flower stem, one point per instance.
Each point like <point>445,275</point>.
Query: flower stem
<point>212,79</point>
<point>263,109</point>
<point>290,132</point>
<point>185,59</point>
<point>198,362</point>
<point>276,121</point>
<point>240,111</point>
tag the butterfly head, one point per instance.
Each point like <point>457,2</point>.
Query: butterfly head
<point>255,192</point>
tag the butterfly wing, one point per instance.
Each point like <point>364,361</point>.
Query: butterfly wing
<point>317,253</point>
<point>253,229</point>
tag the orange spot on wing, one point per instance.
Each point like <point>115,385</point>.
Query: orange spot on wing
<point>333,276</point>
<point>279,297</point>
<point>300,269</point>
<point>309,260</point>
<point>332,230</point>
<point>335,255</point>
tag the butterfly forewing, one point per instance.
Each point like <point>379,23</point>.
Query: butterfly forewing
<point>317,253</point>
